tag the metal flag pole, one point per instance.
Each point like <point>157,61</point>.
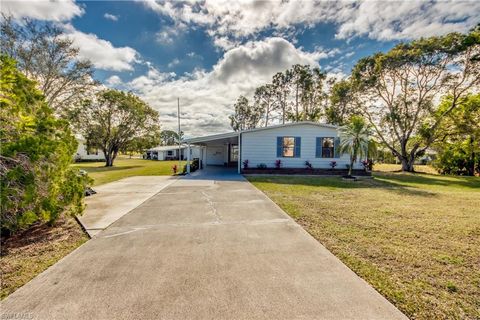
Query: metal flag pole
<point>179,136</point>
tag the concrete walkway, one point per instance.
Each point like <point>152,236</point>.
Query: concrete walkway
<point>206,247</point>
<point>115,199</point>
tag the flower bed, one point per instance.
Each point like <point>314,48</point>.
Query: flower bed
<point>305,171</point>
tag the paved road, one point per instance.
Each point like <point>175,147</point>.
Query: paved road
<point>209,247</point>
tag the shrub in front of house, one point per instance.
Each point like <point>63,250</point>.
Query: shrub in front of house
<point>261,166</point>
<point>245,164</point>
<point>37,181</point>
<point>308,165</point>
<point>333,164</point>
<point>278,164</point>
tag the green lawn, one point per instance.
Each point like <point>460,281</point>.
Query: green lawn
<point>125,167</point>
<point>414,237</point>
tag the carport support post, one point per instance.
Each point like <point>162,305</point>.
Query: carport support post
<point>188,158</point>
<point>239,158</point>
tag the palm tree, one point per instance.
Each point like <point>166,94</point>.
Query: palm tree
<point>354,140</point>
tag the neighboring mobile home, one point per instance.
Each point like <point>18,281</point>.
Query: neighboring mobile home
<point>86,153</point>
<point>293,144</point>
<point>171,153</point>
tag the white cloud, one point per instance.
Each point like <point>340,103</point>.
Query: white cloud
<point>110,16</point>
<point>168,34</point>
<point>42,10</point>
<point>173,63</point>
<point>113,81</point>
<point>381,20</point>
<point>408,19</point>
<point>101,52</point>
<point>206,98</point>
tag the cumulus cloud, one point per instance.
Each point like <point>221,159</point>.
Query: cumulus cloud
<point>381,20</point>
<point>206,98</point>
<point>173,63</point>
<point>101,52</point>
<point>42,10</point>
<point>110,16</point>
<point>113,81</point>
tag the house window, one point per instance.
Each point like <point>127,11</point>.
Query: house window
<point>169,153</point>
<point>288,147</point>
<point>327,148</point>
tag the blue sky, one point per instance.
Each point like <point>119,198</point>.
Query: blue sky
<point>209,52</point>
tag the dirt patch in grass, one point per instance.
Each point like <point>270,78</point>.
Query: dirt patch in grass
<point>415,238</point>
<point>27,254</point>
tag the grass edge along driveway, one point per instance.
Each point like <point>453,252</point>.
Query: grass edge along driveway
<point>413,237</point>
<point>125,167</point>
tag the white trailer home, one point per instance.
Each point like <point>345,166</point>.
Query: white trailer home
<point>171,153</point>
<point>85,153</point>
<point>293,144</point>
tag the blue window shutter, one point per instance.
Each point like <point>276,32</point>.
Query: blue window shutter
<point>336,147</point>
<point>298,146</point>
<point>318,147</point>
<point>279,146</point>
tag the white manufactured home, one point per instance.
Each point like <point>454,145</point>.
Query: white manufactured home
<point>293,144</point>
<point>86,153</point>
<point>172,153</point>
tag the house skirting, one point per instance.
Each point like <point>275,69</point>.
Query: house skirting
<point>304,171</point>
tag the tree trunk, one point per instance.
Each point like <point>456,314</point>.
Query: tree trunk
<point>350,167</point>
<point>407,164</point>
<point>471,169</point>
<point>108,158</point>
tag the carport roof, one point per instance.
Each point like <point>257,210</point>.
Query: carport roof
<point>229,135</point>
<point>212,137</point>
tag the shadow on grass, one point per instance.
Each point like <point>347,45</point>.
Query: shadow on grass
<point>338,183</point>
<point>430,180</point>
<point>106,169</point>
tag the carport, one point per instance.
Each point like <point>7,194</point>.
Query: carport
<point>217,150</point>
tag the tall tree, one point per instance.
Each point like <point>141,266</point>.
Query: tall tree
<point>397,90</point>
<point>45,54</point>
<point>169,137</point>
<point>114,119</point>
<point>342,103</point>
<point>299,81</point>
<point>355,140</point>
<point>281,86</point>
<point>246,116</point>
<point>314,97</point>
<point>265,99</point>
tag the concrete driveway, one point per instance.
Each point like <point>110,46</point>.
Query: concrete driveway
<point>206,247</point>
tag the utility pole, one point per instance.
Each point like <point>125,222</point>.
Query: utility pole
<point>179,136</point>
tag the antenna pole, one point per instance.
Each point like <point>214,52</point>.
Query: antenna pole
<point>179,136</point>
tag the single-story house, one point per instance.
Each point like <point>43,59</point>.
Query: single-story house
<point>293,144</point>
<point>84,152</point>
<point>171,152</point>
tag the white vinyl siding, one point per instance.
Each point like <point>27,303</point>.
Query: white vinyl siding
<point>261,147</point>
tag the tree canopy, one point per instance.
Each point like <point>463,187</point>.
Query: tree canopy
<point>113,119</point>
<point>398,91</point>
<point>45,54</point>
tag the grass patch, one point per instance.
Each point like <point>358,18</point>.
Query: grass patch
<point>124,167</point>
<point>414,237</point>
<point>27,254</point>
<point>420,168</point>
